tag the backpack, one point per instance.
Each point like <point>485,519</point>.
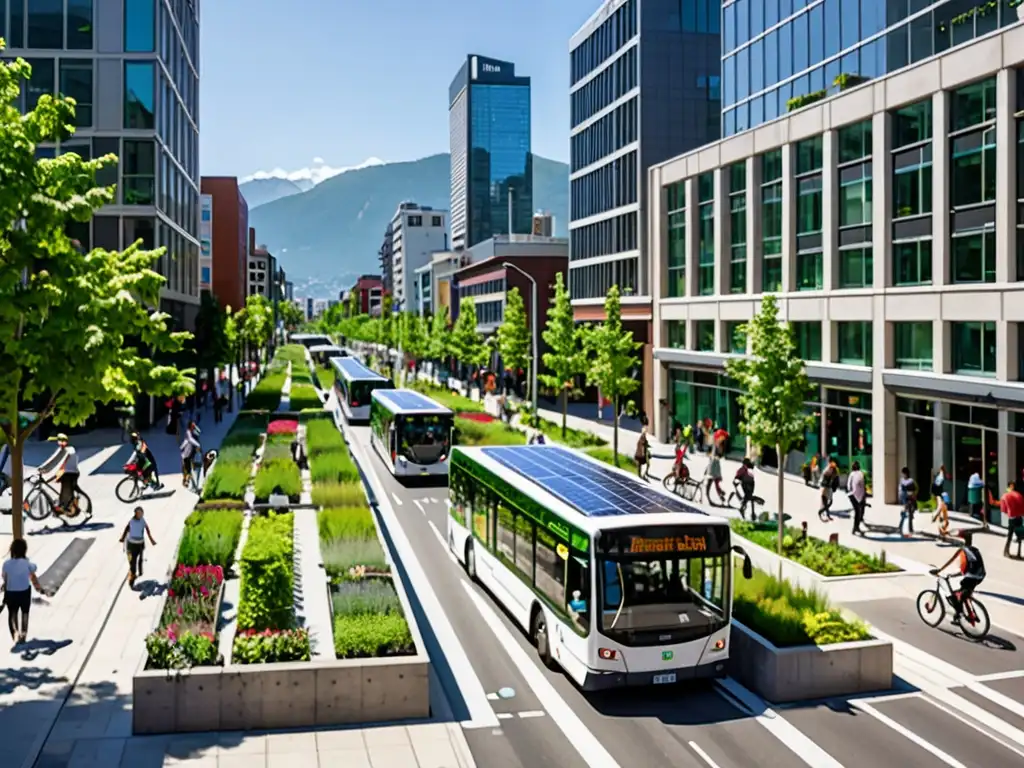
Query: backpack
<point>975,565</point>
<point>835,481</point>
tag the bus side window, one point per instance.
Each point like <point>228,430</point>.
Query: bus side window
<point>578,581</point>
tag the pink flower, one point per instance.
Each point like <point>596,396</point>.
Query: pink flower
<point>204,591</point>
<point>170,593</point>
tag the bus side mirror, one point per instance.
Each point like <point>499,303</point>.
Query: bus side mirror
<point>748,568</point>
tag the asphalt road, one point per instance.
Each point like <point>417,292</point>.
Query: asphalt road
<point>972,718</point>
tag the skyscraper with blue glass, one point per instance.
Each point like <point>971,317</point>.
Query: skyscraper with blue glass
<point>779,55</point>
<point>491,158</point>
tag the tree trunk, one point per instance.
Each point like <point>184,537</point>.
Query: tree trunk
<point>565,409</point>
<point>615,430</point>
<point>779,516</point>
<point>17,488</point>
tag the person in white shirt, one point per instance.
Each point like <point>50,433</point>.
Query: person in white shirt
<point>190,449</point>
<point>65,461</point>
<point>19,576</point>
<point>136,532</point>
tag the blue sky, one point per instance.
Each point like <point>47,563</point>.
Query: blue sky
<point>343,81</point>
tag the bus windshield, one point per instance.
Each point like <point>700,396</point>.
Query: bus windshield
<point>424,438</point>
<point>663,585</point>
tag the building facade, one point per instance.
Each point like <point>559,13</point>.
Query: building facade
<point>543,224</point>
<point>434,282</point>
<point>229,244</point>
<point>781,54</point>
<point>416,232</point>
<point>889,219</point>
<point>133,69</point>
<point>387,259</point>
<point>491,157</point>
<point>370,291</point>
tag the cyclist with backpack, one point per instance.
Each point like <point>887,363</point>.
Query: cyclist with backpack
<point>972,570</point>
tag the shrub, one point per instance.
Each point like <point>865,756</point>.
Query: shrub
<point>342,555</point>
<point>303,396</point>
<point>447,397</point>
<point>291,353</point>
<point>278,446</point>
<point>333,467</point>
<point>171,648</point>
<point>266,600</point>
<point>820,556</point>
<point>787,615</point>
<point>374,597</point>
<point>367,636</point>
<point>346,494</point>
<point>270,646</point>
<point>246,430</point>
<point>278,476</point>
<point>267,393</point>
<point>227,480</point>
<point>347,523</point>
<point>211,538</point>
<point>471,432</point>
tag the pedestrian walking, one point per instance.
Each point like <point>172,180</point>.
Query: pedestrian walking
<point>976,498</point>
<point>856,488</point>
<point>19,576</point>
<point>1012,505</point>
<point>939,481</point>
<point>135,533</point>
<point>713,475</point>
<point>908,500</point>
<point>643,456</point>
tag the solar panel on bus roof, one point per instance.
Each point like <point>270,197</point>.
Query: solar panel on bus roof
<point>593,490</point>
<point>355,369</point>
<point>410,399</point>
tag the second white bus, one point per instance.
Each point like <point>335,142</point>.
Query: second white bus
<point>354,383</point>
<point>411,432</point>
<point>614,581</point>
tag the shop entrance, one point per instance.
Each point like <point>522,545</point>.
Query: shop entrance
<point>920,452</point>
<point>970,445</point>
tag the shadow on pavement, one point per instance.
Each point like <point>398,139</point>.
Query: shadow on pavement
<point>1015,599</point>
<point>32,678</point>
<point>115,464</point>
<point>32,649</point>
<point>86,528</point>
<point>150,588</point>
<point>697,703</point>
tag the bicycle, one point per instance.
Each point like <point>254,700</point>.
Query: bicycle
<point>686,487</point>
<point>134,485</point>
<point>931,607</point>
<point>43,500</point>
<point>736,494</point>
<point>200,470</point>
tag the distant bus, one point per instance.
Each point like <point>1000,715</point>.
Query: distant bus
<point>615,581</point>
<point>353,384</point>
<point>411,432</point>
<point>310,339</point>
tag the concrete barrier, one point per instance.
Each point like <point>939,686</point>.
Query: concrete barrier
<point>808,671</point>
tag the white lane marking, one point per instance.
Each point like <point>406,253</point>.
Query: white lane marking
<point>505,716</point>
<point>703,755</point>
<point>398,501</point>
<point>443,543</point>
<point>781,729</point>
<point>578,735</point>
<point>531,713</point>
<point>1000,676</point>
<point>907,733</point>
<point>974,716</point>
<point>472,690</point>
<point>419,506</point>
<point>887,697</point>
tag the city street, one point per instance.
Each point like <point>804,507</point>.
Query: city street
<point>953,702</point>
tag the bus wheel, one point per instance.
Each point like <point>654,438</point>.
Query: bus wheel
<point>539,633</point>
<point>470,561</point>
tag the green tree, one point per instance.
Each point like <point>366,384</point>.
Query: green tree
<point>353,304</point>
<point>612,359</point>
<point>439,343</point>
<point>467,345</point>
<point>257,324</point>
<point>414,338</point>
<point>76,328</point>
<point>290,314</point>
<point>514,334</point>
<point>773,390</point>
<point>564,338</point>
<point>211,341</point>
<point>386,328</point>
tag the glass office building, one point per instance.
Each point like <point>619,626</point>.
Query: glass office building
<point>779,55</point>
<point>491,158</point>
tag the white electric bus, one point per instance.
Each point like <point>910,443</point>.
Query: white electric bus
<point>411,432</point>
<point>615,581</point>
<point>353,384</point>
<point>309,339</point>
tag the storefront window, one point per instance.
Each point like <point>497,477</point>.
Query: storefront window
<point>698,396</point>
<point>808,339</point>
<point>913,342</point>
<point>855,343</point>
<point>848,429</point>
<point>974,349</point>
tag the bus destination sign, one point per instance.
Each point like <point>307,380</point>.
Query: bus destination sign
<point>641,545</point>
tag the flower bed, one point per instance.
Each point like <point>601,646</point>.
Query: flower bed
<point>478,432</point>
<point>186,636</point>
<point>211,538</point>
<point>266,606</point>
<point>789,616</point>
<point>826,559</point>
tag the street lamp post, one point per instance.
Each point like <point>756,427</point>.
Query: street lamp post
<point>533,333</point>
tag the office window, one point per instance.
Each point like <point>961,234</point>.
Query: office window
<point>809,275</point>
<point>912,182</point>
<point>415,221</point>
<point>771,221</point>
<point>912,124</point>
<point>706,235</point>
<point>973,179</point>
<point>808,339</point>
<point>139,177</point>
<point>139,26</point>
<point>855,195</point>
<point>855,343</point>
<point>16,34</point>
<point>79,25</point>
<point>974,349</point>
<point>738,228</point>
<point>42,81</point>
<point>435,221</point>
<point>809,205</point>
<point>676,334</point>
<point>76,81</point>
<point>973,104</point>
<point>704,335</point>
<point>139,97</point>
<point>855,267</point>
<point>913,345</point>
<point>46,24</point>
<point>854,142</point>
<point>912,262</point>
<point>809,155</point>
<point>735,338</point>
<point>1020,186</point>
<point>973,258</point>
<point>676,239</point>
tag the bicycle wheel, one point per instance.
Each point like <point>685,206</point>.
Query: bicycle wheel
<point>669,481</point>
<point>979,627</point>
<point>84,510</point>
<point>931,607</point>
<point>128,490</point>
<point>37,505</point>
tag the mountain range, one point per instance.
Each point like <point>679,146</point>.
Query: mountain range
<point>326,232</point>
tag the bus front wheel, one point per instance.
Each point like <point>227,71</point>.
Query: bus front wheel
<point>539,633</point>
<point>470,561</point>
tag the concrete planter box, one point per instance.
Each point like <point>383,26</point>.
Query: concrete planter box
<point>809,671</point>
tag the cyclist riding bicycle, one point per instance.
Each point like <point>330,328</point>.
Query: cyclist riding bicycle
<point>679,470</point>
<point>744,481</point>
<point>65,461</point>
<point>144,457</point>
<point>972,570</point>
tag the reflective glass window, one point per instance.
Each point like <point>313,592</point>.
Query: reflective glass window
<point>41,82</point>
<point>139,25</point>
<point>757,80</point>
<point>800,43</point>
<point>139,96</point>
<point>76,79</point>
<point>817,31</point>
<point>771,58</point>
<point>79,24</point>
<point>850,22</point>
<point>46,24</point>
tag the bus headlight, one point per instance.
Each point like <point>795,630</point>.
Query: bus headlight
<point>720,645</point>
<point>607,654</point>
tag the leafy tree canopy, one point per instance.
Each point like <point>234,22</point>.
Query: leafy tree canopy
<point>514,333</point>
<point>467,345</point>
